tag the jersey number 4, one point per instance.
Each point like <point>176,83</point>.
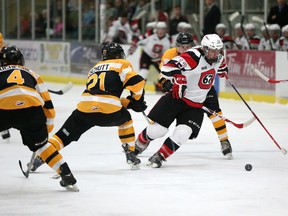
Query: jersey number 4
<point>15,77</point>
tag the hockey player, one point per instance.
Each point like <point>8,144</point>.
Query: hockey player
<point>4,134</point>
<point>253,39</point>
<point>25,105</point>
<point>284,38</point>
<point>100,103</point>
<point>153,48</point>
<point>187,78</point>
<point>185,42</point>
<point>239,38</point>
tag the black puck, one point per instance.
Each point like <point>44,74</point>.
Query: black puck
<point>248,167</point>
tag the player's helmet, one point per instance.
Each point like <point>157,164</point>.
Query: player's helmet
<point>11,56</point>
<point>285,29</point>
<point>184,39</point>
<point>111,50</point>
<point>212,42</point>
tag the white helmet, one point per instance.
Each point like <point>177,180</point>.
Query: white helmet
<point>285,29</point>
<point>220,26</point>
<point>161,25</point>
<point>249,26</point>
<point>212,41</point>
<point>263,28</point>
<point>275,27</point>
<point>237,26</point>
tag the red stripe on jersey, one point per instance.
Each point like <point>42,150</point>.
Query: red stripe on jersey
<point>192,104</point>
<point>190,59</point>
<point>254,41</point>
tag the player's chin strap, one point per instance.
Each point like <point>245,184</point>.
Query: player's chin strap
<point>284,151</point>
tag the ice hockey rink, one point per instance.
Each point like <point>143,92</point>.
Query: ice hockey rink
<point>196,180</point>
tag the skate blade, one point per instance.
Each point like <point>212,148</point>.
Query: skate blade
<point>153,165</point>
<point>135,166</point>
<point>57,176</point>
<point>229,156</point>
<point>72,188</point>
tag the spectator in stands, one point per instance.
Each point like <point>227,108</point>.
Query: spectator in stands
<point>212,17</point>
<point>25,31</point>
<point>253,39</point>
<point>120,31</point>
<point>278,14</point>
<point>88,22</point>
<point>284,38</point>
<point>120,8</point>
<point>58,27</point>
<point>176,18</point>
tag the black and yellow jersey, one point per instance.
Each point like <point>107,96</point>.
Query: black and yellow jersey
<point>168,55</point>
<point>22,88</point>
<point>105,84</point>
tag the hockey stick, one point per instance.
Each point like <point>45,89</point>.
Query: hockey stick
<point>231,18</point>
<point>238,125</point>
<point>66,88</point>
<point>243,30</point>
<point>146,117</point>
<point>268,79</point>
<point>26,174</point>
<point>282,149</point>
<point>233,42</point>
<point>269,36</point>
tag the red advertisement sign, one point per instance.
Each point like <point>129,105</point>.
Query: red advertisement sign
<point>241,64</point>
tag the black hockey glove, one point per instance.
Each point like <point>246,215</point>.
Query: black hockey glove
<point>137,105</point>
<point>166,85</point>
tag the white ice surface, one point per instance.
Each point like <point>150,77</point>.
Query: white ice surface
<point>196,180</point>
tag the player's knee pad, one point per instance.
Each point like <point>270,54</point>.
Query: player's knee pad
<point>155,131</point>
<point>181,134</point>
<point>144,73</point>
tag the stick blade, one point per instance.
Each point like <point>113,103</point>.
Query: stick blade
<point>26,174</point>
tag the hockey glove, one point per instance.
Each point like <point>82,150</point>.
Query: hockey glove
<point>179,86</point>
<point>137,105</point>
<point>165,84</point>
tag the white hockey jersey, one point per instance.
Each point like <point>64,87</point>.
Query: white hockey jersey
<point>199,73</point>
<point>155,47</point>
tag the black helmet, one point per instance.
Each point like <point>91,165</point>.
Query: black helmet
<point>111,50</point>
<point>11,56</point>
<point>184,38</point>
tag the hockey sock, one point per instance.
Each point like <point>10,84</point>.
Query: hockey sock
<point>220,126</point>
<point>51,156</point>
<point>127,135</point>
<point>56,142</point>
<point>168,148</point>
<point>144,138</point>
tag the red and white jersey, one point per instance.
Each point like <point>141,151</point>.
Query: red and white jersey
<point>199,73</point>
<point>284,43</point>
<point>154,46</point>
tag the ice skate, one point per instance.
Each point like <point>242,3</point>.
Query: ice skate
<point>226,149</point>
<point>68,181</point>
<point>156,160</point>
<point>132,160</point>
<point>37,162</point>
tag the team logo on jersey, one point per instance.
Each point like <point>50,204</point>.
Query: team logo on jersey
<point>94,108</point>
<point>20,103</point>
<point>207,79</point>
